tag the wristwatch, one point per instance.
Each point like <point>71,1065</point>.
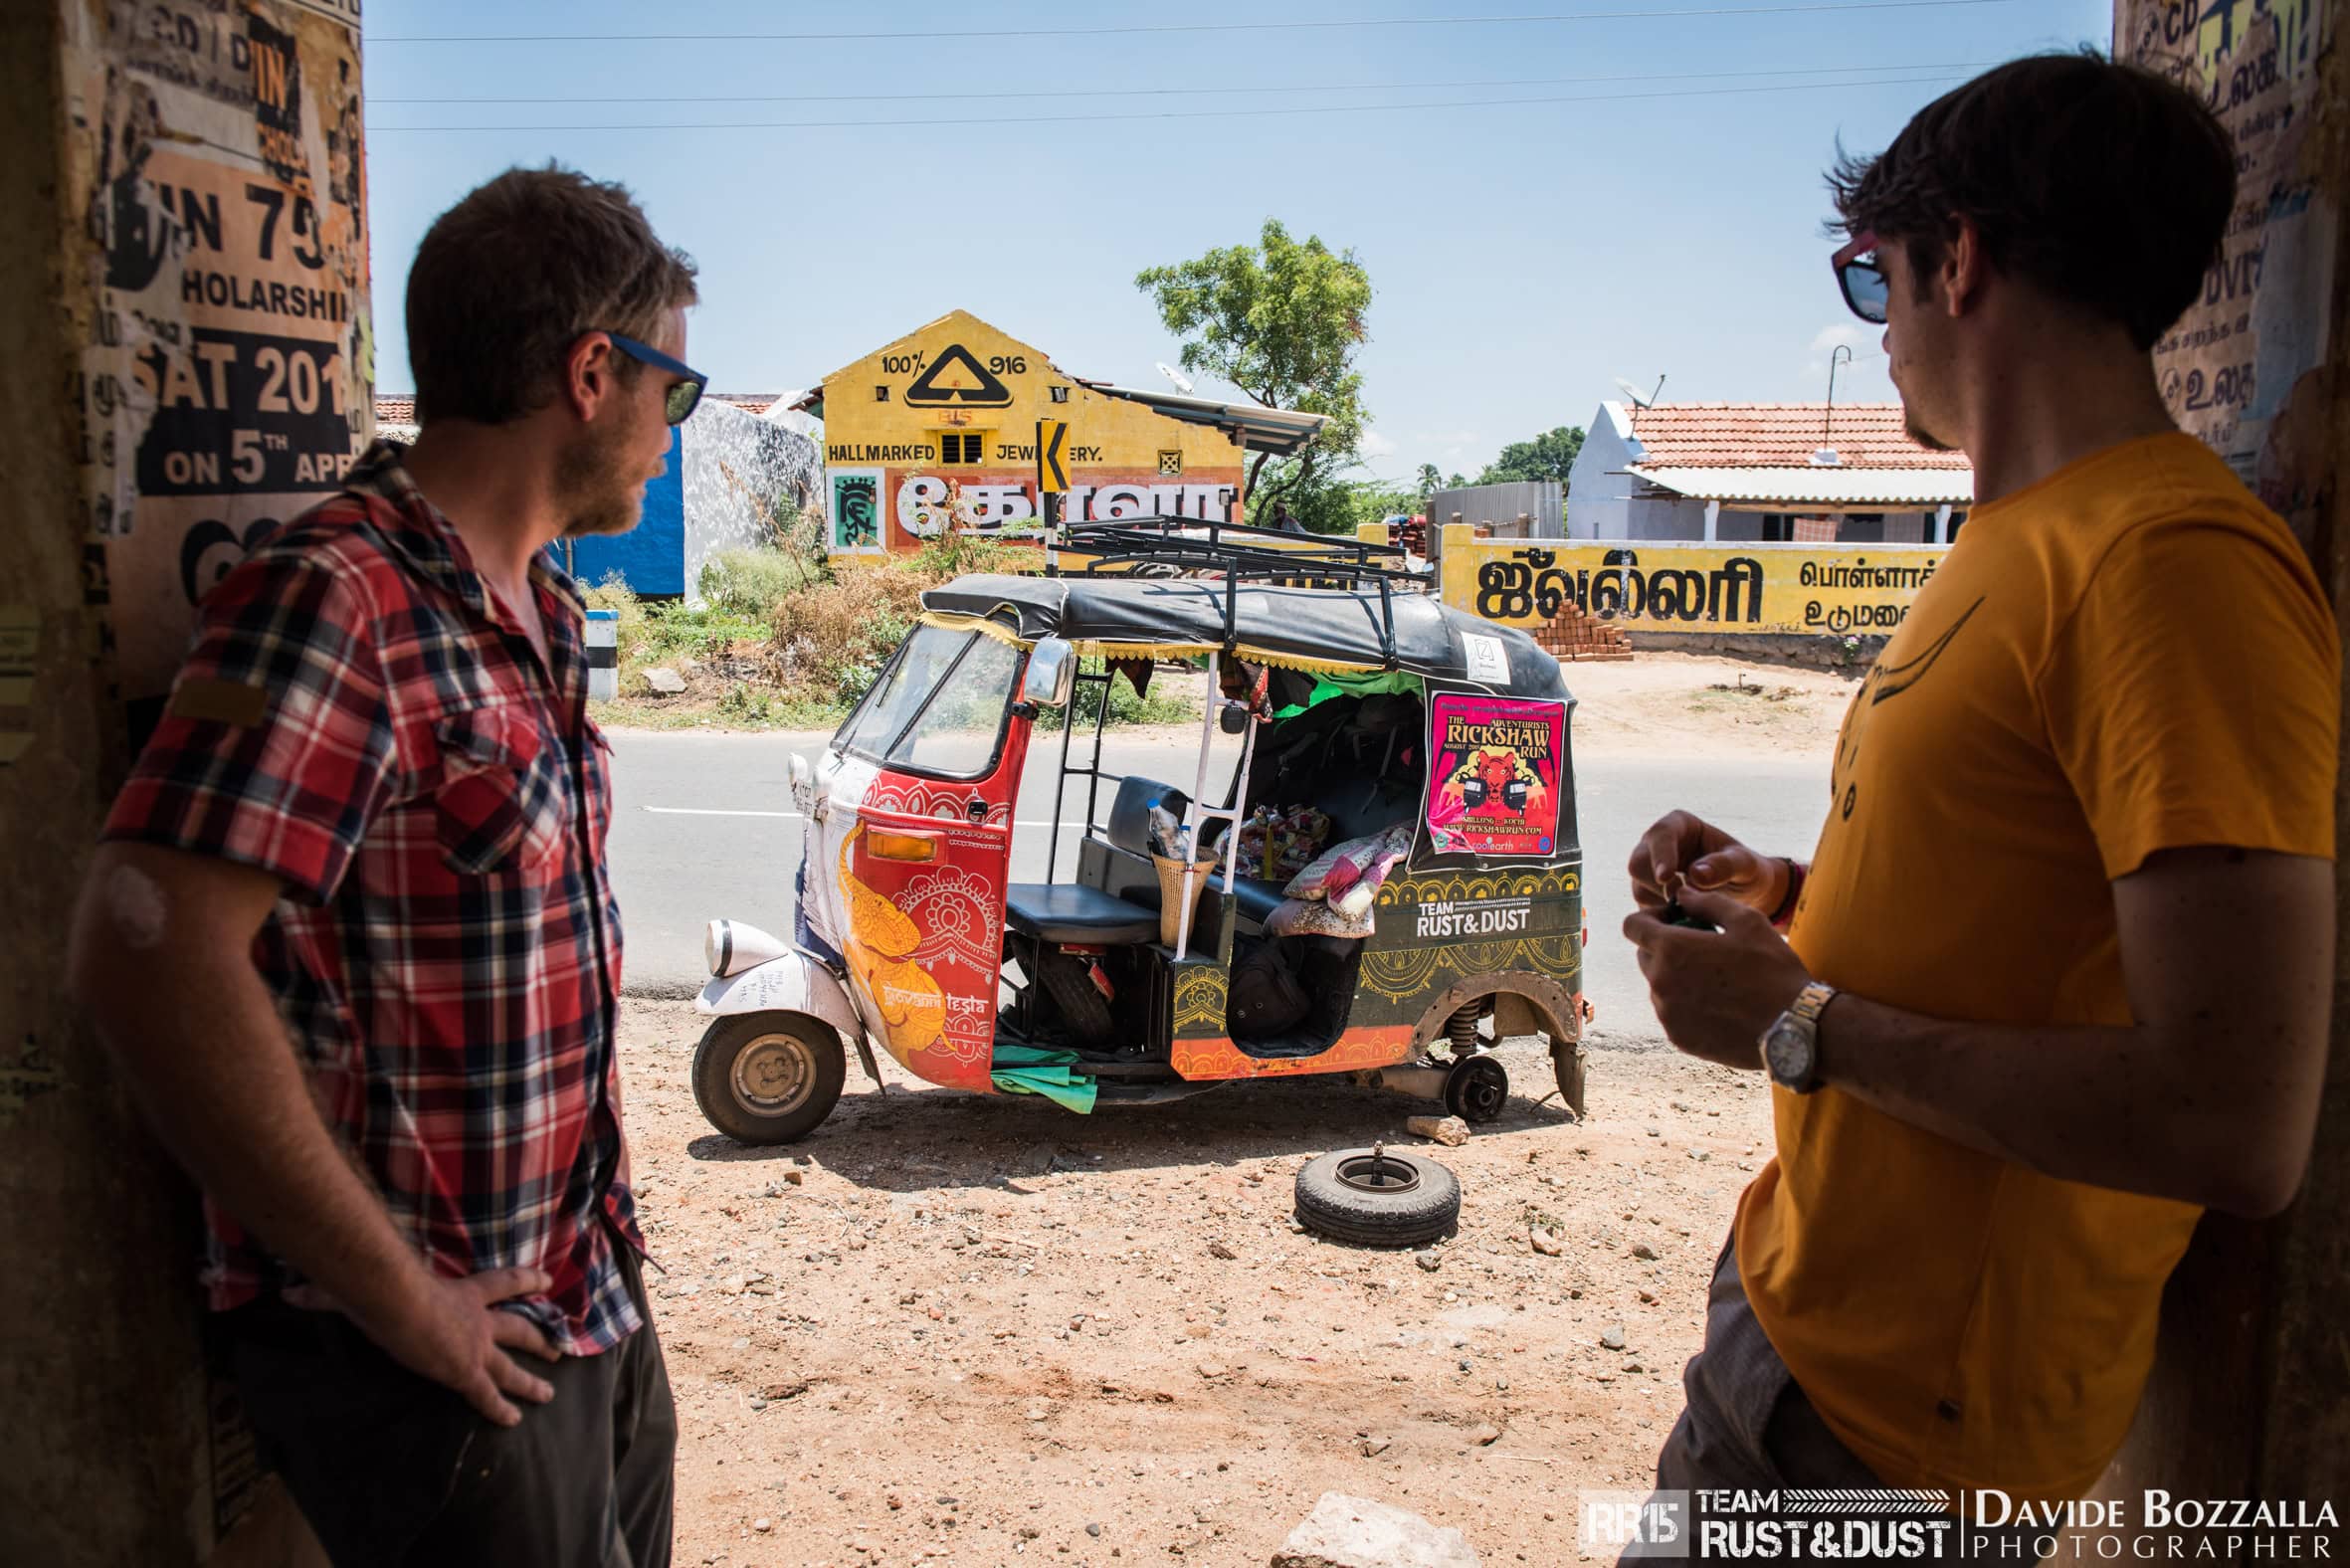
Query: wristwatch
<point>1791,1046</point>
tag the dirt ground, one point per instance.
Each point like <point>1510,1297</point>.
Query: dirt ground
<point>972,1330</point>
<point>957,1329</point>
<point>1676,703</point>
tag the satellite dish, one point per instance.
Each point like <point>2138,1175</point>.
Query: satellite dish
<point>1640,399</point>
<point>1182,382</point>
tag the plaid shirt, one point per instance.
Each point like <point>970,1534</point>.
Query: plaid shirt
<point>356,720</point>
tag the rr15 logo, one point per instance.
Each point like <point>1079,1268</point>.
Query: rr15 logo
<point>1658,1522</point>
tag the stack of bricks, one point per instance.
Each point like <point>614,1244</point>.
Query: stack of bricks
<point>1411,534</point>
<point>1577,634</point>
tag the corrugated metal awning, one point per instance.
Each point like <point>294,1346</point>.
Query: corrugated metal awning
<point>1821,486</point>
<point>1280,431</point>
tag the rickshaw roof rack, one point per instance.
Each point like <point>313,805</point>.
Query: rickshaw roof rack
<point>1238,552</point>
<point>1366,627</point>
<point>1229,555</point>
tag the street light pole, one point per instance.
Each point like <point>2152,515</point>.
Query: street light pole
<point>1842,355</point>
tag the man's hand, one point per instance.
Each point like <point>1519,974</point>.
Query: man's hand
<point>1682,850</point>
<point>1715,992</point>
<point>452,1332</point>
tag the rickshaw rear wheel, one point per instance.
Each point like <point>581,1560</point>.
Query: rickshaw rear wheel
<point>768,1078</point>
<point>1378,1197</point>
<point>1085,1011</point>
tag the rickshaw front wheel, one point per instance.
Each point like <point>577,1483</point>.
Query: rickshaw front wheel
<point>768,1078</point>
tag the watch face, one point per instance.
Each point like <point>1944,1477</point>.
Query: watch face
<point>1788,1050</point>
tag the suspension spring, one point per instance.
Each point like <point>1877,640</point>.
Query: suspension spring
<point>1461,1027</point>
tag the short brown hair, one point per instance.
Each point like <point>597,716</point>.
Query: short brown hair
<point>508,279</point>
<point>2100,182</point>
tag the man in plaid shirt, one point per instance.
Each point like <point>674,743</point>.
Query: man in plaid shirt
<point>370,826</point>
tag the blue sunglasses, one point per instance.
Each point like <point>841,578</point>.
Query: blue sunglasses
<point>1862,278</point>
<point>684,394</point>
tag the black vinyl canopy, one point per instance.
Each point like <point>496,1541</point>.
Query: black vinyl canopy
<point>1342,630</point>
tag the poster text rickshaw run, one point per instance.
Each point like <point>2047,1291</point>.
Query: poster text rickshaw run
<point>1756,589</point>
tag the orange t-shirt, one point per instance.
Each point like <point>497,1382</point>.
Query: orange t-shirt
<point>2132,654</point>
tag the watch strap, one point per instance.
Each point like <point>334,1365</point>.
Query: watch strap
<point>1811,1002</point>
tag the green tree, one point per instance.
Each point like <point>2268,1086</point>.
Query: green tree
<point>1430,481</point>
<point>1548,455</point>
<point>1283,320</point>
<point>1375,500</point>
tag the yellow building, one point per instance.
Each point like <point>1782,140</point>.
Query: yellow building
<point>938,430</point>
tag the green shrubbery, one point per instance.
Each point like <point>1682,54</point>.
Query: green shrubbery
<point>751,583</point>
<point>801,641</point>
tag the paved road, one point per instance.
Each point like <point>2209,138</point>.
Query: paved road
<point>704,826</point>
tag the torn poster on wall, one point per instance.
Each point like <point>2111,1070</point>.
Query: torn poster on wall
<point>226,379</point>
<point>2232,370</point>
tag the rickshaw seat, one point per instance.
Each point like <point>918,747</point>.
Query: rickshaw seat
<point>1256,896</point>
<point>1074,913</point>
<point>1128,827</point>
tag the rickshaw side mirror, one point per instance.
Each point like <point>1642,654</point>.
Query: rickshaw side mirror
<point>1052,674</point>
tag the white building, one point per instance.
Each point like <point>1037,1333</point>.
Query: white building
<point>1763,472</point>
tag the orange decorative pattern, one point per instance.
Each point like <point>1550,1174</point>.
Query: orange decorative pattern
<point>1357,1050</point>
<point>880,943</point>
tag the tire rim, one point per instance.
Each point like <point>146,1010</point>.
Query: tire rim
<point>774,1074</point>
<point>1377,1173</point>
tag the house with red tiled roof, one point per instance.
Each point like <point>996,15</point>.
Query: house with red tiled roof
<point>1745,472</point>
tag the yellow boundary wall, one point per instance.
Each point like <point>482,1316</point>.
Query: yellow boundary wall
<point>1650,585</point>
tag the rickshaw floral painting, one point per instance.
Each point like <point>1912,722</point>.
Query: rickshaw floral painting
<point>1495,786</point>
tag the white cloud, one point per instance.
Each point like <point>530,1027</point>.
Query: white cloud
<point>1376,446</point>
<point>1854,335</point>
<point>1449,446</point>
<point>1860,378</point>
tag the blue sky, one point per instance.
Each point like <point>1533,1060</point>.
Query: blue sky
<point>1524,254</point>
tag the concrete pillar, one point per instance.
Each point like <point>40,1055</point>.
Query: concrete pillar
<point>2250,1392</point>
<point>1712,519</point>
<point>132,199</point>
<point>100,1319</point>
<point>1941,525</point>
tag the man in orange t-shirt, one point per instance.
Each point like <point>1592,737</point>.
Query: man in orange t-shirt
<point>2057,978</point>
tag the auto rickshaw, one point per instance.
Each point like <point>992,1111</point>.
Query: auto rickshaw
<point>1358,698</point>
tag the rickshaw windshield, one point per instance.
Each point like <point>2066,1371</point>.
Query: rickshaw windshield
<point>939,708</point>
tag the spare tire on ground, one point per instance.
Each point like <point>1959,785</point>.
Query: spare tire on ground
<point>1378,1198</point>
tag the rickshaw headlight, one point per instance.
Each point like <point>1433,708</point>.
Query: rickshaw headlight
<point>730,946</point>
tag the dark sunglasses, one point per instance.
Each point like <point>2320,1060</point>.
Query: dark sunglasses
<point>684,395</point>
<point>1861,278</point>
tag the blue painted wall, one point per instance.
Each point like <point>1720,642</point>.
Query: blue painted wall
<point>652,556</point>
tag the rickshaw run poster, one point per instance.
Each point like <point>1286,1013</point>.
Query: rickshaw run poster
<point>1495,786</point>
